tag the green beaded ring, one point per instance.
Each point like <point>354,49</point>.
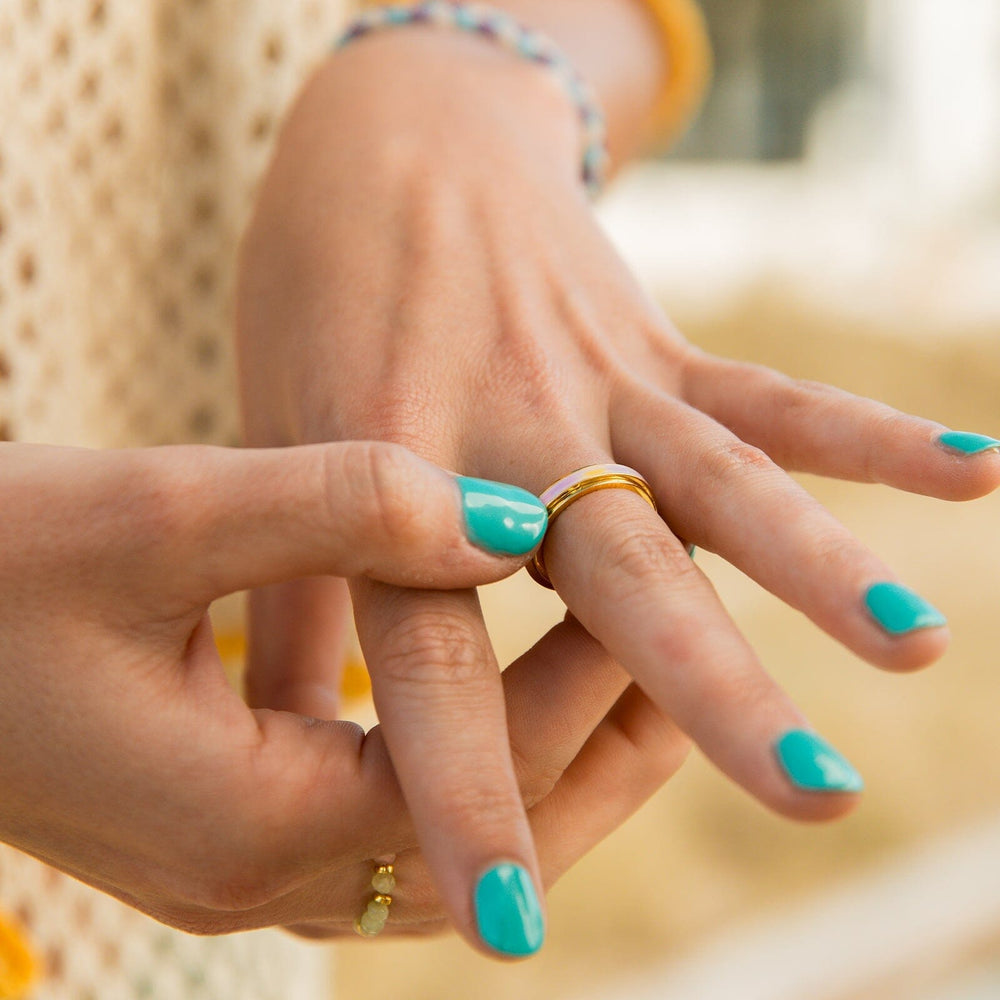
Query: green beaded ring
<point>372,921</point>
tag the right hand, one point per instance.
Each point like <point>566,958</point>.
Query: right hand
<point>423,267</point>
<point>129,762</point>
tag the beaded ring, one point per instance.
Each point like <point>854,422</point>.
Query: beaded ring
<point>498,26</point>
<point>372,921</point>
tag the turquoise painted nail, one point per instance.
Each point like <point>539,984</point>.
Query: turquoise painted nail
<point>811,763</point>
<point>502,518</point>
<point>507,910</point>
<point>967,443</point>
<point>899,610</point>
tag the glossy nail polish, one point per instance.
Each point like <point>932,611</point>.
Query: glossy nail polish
<point>899,610</point>
<point>812,764</point>
<point>508,914</point>
<point>501,518</point>
<point>967,443</point>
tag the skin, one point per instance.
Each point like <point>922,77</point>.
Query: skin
<point>128,760</point>
<point>423,267</point>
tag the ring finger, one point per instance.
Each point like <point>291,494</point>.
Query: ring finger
<point>630,582</point>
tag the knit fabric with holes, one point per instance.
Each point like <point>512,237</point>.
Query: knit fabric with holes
<point>134,134</point>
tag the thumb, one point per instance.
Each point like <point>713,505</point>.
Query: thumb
<point>240,518</point>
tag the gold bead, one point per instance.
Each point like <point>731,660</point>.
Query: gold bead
<point>385,900</point>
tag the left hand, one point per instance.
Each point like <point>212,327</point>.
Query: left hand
<point>423,267</point>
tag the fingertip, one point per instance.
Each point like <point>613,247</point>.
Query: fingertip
<point>827,807</point>
<point>916,651</point>
<point>972,480</point>
<point>969,465</point>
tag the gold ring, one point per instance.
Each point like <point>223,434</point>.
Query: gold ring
<point>578,484</point>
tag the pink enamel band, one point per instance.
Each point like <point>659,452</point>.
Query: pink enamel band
<point>578,484</point>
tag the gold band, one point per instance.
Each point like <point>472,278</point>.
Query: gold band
<point>579,484</point>
<point>373,920</point>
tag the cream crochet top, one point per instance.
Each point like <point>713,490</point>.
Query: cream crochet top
<point>132,136</point>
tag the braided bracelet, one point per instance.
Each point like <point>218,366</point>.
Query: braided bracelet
<point>498,26</point>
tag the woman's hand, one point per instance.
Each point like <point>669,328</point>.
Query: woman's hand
<point>127,759</point>
<point>423,268</point>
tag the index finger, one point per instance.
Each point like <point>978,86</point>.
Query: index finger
<point>438,692</point>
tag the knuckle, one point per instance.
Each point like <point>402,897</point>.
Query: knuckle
<point>433,648</point>
<point>387,482</point>
<point>885,425</point>
<point>833,553</point>
<point>536,390</point>
<point>535,779</point>
<point>659,747</point>
<point>483,809</point>
<point>744,687</point>
<point>644,559</point>
<point>804,394</point>
<point>404,415</point>
<point>531,378</point>
<point>676,359</point>
<point>736,458</point>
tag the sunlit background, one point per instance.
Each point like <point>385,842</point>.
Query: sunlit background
<point>835,213</point>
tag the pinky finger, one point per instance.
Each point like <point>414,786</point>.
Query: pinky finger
<point>634,751</point>
<point>812,427</point>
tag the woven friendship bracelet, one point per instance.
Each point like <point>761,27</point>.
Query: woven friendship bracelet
<point>498,26</point>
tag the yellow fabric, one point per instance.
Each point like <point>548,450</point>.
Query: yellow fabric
<point>232,647</point>
<point>18,966</point>
<point>689,67</point>
<point>133,136</point>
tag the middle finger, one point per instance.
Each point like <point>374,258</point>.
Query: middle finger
<point>730,498</point>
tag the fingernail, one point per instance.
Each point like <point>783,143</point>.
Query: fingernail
<point>811,763</point>
<point>507,910</point>
<point>967,443</point>
<point>899,610</point>
<point>501,518</point>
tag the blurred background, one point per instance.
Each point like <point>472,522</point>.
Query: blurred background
<point>834,213</point>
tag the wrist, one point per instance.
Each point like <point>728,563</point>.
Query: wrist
<point>426,99</point>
